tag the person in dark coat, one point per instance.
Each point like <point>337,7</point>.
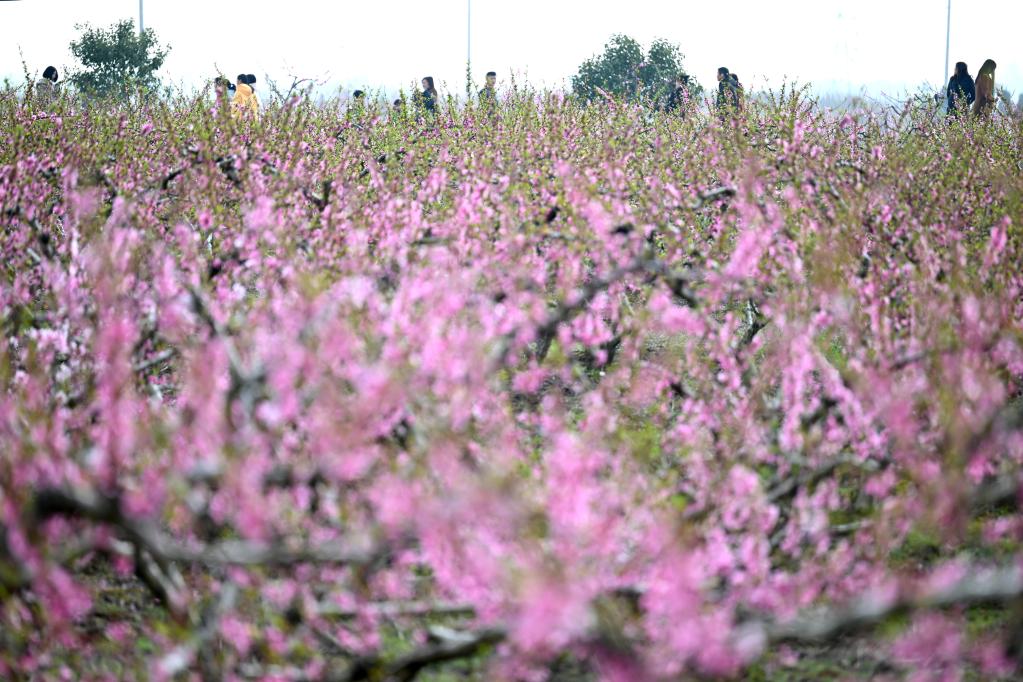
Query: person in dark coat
<point>398,113</point>
<point>728,96</point>
<point>428,98</point>
<point>488,95</point>
<point>722,83</point>
<point>961,91</point>
<point>358,101</point>
<point>678,99</point>
<point>738,93</point>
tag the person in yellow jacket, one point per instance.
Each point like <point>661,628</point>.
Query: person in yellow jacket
<point>245,101</point>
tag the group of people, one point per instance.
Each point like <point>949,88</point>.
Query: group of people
<point>428,98</point>
<point>730,99</point>
<point>731,96</point>
<point>964,94</point>
<point>243,100</point>
<point>241,95</point>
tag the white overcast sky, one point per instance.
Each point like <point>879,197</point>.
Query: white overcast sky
<point>840,46</point>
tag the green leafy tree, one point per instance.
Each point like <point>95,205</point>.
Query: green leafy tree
<point>623,71</point>
<point>117,60</point>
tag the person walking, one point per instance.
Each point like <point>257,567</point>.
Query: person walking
<point>984,104</point>
<point>961,92</point>
<point>46,87</point>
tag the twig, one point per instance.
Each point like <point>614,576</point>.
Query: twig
<point>180,658</point>
<point>431,241</point>
<point>160,357</point>
<point>224,163</point>
<point>397,610</point>
<point>254,671</point>
<point>789,486</point>
<point>843,163</point>
<point>163,580</point>
<point>246,385</point>
<point>710,195</point>
<point>322,200</point>
<point>754,323</point>
<point>998,491</point>
<point>566,310</point>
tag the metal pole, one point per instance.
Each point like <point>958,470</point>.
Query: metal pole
<point>142,26</point>
<point>948,38</point>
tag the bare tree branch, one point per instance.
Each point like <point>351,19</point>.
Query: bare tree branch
<point>565,311</point>
<point>790,486</point>
<point>452,645</point>
<point>87,504</point>
<point>977,586</point>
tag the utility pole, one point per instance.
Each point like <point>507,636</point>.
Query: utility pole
<point>468,50</point>
<point>948,39</point>
<point>142,26</point>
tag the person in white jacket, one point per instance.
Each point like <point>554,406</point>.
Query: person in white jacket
<point>46,87</point>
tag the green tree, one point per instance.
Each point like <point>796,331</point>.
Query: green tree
<point>623,71</point>
<point>117,60</point>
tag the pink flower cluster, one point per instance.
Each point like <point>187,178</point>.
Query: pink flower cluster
<point>642,392</point>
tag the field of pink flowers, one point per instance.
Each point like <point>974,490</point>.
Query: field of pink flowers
<point>559,392</point>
